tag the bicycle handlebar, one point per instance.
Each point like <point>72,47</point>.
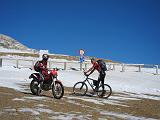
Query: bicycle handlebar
<point>85,74</point>
<point>53,69</point>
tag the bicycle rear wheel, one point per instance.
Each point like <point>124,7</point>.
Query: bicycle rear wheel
<point>80,88</point>
<point>106,92</point>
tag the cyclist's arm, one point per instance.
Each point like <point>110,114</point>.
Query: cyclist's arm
<point>91,70</point>
<point>43,67</point>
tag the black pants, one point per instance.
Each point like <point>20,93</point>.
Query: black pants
<point>101,78</point>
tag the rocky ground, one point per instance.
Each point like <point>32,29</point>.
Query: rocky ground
<point>25,106</point>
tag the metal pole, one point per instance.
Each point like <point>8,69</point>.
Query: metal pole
<point>139,68</point>
<point>123,68</point>
<point>109,67</point>
<point>113,67</point>
<point>0,62</point>
<point>85,66</point>
<point>80,66</point>
<point>17,63</point>
<point>65,65</point>
<point>156,69</point>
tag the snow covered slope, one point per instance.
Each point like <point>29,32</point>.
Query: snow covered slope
<point>139,84</point>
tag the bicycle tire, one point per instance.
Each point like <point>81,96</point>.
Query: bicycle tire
<point>58,90</point>
<point>107,90</point>
<point>34,87</point>
<point>80,88</point>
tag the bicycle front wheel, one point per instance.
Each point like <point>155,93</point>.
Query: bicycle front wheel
<point>80,88</point>
<point>106,92</point>
<point>57,90</point>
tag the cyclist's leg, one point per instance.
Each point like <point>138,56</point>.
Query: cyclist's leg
<point>97,85</point>
<point>102,76</point>
<point>42,77</point>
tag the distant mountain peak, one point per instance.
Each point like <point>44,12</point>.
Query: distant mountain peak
<point>10,43</point>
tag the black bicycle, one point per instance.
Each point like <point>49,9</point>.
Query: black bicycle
<point>81,88</point>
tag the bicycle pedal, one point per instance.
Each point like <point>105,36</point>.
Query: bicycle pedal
<point>95,90</point>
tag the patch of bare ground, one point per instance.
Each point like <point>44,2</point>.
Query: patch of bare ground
<point>23,105</point>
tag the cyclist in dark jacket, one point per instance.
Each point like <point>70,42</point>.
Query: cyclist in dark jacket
<point>102,73</point>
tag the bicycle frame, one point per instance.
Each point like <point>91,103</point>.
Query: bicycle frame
<point>87,79</point>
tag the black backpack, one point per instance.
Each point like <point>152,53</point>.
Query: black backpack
<point>102,64</point>
<point>36,66</point>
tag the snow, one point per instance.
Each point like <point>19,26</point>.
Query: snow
<point>86,99</point>
<point>41,105</point>
<point>132,84</point>
<point>18,99</point>
<point>68,116</point>
<point>98,101</point>
<point>140,83</point>
<point>124,116</point>
<point>5,50</point>
<point>11,77</point>
<point>10,110</point>
<point>36,98</point>
<point>144,84</point>
<point>34,112</point>
<point>44,110</point>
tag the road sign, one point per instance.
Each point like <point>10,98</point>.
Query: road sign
<point>81,52</point>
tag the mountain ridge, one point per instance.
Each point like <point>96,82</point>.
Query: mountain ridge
<point>12,45</point>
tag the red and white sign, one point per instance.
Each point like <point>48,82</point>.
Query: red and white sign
<point>81,52</point>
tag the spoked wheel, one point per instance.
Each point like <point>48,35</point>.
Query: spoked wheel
<point>58,90</point>
<point>80,88</point>
<point>106,92</point>
<point>34,87</point>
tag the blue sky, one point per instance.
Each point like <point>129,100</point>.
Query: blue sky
<point>120,30</point>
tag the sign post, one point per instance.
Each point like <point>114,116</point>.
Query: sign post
<point>81,59</point>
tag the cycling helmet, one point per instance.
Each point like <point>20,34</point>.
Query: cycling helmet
<point>45,56</point>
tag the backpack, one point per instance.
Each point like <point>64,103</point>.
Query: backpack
<point>102,64</point>
<point>36,66</point>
